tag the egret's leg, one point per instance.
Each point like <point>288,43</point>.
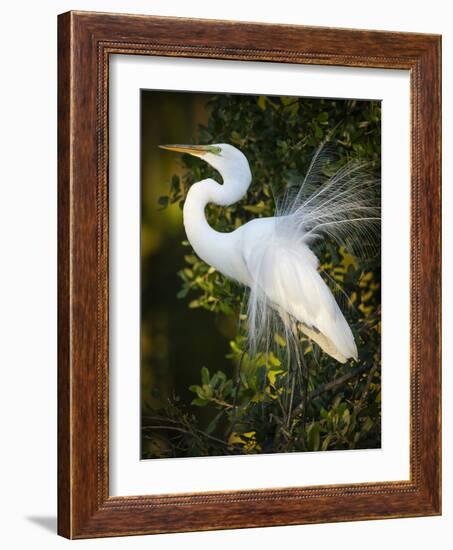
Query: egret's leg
<point>288,379</point>
<point>293,368</point>
<point>263,388</point>
<point>303,369</point>
<point>236,391</point>
<point>291,396</point>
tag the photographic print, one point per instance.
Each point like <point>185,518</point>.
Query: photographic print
<point>260,274</point>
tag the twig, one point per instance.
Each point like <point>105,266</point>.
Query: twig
<point>182,430</point>
<point>221,403</point>
<point>366,389</point>
<point>330,386</point>
<point>338,381</point>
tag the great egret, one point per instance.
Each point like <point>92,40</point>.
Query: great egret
<point>272,256</point>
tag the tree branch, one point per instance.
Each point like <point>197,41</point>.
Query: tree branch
<point>330,386</point>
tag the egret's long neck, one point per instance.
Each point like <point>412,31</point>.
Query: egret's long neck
<point>207,242</point>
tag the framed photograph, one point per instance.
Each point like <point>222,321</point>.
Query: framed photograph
<point>249,275</point>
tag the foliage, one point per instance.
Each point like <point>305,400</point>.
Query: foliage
<point>264,405</point>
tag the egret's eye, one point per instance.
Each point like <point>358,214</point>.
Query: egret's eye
<point>215,150</point>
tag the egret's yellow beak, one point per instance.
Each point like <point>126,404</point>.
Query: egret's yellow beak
<point>198,150</point>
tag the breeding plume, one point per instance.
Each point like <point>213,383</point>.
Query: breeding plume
<point>273,256</point>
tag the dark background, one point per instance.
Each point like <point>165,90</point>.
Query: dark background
<point>171,333</point>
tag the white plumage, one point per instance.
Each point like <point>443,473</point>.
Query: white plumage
<point>272,256</point>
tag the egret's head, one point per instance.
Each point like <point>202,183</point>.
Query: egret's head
<point>223,157</point>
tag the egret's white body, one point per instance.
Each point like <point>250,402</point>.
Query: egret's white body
<point>271,256</point>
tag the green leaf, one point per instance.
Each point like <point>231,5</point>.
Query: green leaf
<point>182,293</point>
<point>199,391</point>
<point>346,416</point>
<point>280,340</point>
<point>313,437</point>
<point>255,208</point>
<point>213,424</point>
<point>325,443</point>
<point>191,259</point>
<point>207,391</point>
<point>236,137</point>
<point>367,425</point>
<point>200,402</point>
<point>204,375</point>
<point>262,102</point>
<point>225,308</point>
<point>219,377</point>
<point>274,361</point>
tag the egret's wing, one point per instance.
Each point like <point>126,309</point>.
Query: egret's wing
<point>286,286</point>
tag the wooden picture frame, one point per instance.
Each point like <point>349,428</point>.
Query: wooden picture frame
<point>85,42</point>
